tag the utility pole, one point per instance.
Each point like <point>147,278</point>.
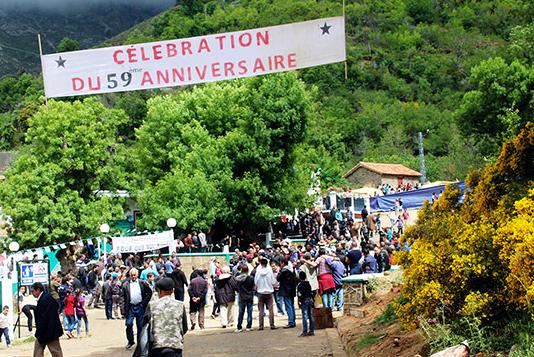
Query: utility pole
<point>422,158</point>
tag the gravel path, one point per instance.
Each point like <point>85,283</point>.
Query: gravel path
<point>108,339</point>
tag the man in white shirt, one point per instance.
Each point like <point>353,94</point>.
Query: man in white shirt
<point>264,280</point>
<point>203,241</point>
<point>136,294</point>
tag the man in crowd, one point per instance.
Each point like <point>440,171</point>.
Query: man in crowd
<point>168,322</point>
<point>263,280</point>
<point>94,287</point>
<point>180,282</point>
<point>338,272</point>
<point>198,288</point>
<point>49,327</point>
<point>245,288</point>
<point>353,258</point>
<point>288,290</point>
<point>136,294</point>
<point>108,297</point>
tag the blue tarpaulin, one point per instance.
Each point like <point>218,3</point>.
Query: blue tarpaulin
<point>410,199</point>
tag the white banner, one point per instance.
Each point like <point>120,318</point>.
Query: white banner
<point>143,243</point>
<point>195,60</point>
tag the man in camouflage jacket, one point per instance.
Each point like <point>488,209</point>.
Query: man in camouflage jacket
<point>168,322</point>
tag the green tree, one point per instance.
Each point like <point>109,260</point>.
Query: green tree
<point>70,154</point>
<point>229,146</point>
<point>68,44</point>
<point>501,101</point>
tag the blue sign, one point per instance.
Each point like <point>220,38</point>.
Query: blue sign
<point>33,273</point>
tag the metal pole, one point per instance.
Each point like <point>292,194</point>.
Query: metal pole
<point>422,157</point>
<point>99,251</point>
<point>18,293</point>
<point>104,240</point>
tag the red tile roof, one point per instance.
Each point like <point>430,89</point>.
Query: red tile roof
<point>384,169</point>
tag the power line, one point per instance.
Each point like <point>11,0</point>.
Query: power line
<point>18,49</point>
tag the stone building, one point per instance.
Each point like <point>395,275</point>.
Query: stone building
<point>368,174</point>
<point>6,158</point>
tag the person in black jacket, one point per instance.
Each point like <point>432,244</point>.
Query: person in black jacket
<point>47,321</point>
<point>197,299</point>
<point>288,291</point>
<point>137,295</point>
<point>179,279</point>
<point>93,287</point>
<point>305,297</point>
<point>225,294</point>
<point>245,289</point>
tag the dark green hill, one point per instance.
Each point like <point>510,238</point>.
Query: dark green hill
<point>90,25</point>
<point>410,65</point>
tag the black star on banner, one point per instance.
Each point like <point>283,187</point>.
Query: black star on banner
<point>325,28</point>
<point>61,62</point>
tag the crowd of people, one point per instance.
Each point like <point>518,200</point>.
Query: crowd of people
<point>276,279</point>
<point>388,189</point>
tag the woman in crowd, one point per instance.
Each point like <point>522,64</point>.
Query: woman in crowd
<point>80,313</point>
<point>326,281</point>
<point>70,313</point>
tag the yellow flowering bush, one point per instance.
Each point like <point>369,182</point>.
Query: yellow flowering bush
<point>475,258</point>
<point>477,304</point>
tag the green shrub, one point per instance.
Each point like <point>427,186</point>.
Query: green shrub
<point>368,340</point>
<point>387,317</point>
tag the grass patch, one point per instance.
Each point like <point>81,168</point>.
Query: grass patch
<point>21,341</point>
<point>387,317</point>
<point>368,340</point>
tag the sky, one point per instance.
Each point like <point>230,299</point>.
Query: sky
<point>77,5</point>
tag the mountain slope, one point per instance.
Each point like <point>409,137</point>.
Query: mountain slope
<point>90,26</point>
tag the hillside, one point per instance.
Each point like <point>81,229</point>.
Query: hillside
<point>90,25</point>
<point>409,66</point>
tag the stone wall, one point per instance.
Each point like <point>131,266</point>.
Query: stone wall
<point>364,177</point>
<point>200,260</point>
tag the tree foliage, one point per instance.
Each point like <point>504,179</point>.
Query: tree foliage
<point>223,151</point>
<point>501,102</point>
<point>50,192</point>
<point>476,259</point>
<point>67,45</point>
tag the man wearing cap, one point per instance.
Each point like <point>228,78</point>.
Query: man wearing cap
<point>168,322</point>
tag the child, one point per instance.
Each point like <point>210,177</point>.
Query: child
<point>305,296</point>
<point>4,325</point>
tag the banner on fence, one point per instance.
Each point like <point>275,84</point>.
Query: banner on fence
<point>143,243</point>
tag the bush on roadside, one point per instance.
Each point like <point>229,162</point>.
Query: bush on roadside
<point>475,259</point>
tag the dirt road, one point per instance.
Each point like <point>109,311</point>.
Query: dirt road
<point>108,339</point>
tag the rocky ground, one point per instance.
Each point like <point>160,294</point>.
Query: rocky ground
<point>368,336</point>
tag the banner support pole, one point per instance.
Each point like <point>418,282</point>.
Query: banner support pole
<point>346,66</point>
<point>41,58</point>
